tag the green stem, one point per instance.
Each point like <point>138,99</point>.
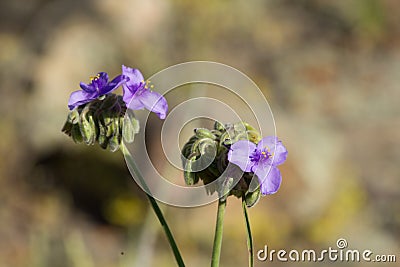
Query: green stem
<point>219,227</point>
<point>154,205</point>
<point>249,236</point>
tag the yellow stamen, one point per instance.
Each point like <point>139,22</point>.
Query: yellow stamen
<point>93,78</point>
<point>147,84</point>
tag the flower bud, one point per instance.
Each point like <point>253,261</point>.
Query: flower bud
<point>251,198</point>
<point>87,126</point>
<point>204,133</point>
<point>130,127</point>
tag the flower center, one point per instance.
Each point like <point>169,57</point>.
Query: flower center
<point>147,84</point>
<point>260,155</point>
<point>94,78</point>
<point>96,82</point>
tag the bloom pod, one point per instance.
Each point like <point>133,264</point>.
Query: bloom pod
<point>187,148</point>
<point>190,177</point>
<point>219,126</point>
<point>251,198</point>
<point>72,118</point>
<point>204,133</point>
<point>253,136</point>
<point>208,152</point>
<point>102,139</point>
<point>248,126</point>
<point>113,144</point>
<point>130,127</point>
<point>225,139</point>
<point>76,134</point>
<point>107,115</point>
<point>87,126</point>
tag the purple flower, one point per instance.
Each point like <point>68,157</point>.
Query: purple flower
<point>262,160</point>
<point>137,94</point>
<point>97,87</point>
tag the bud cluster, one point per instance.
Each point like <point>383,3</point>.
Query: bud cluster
<point>102,120</point>
<point>210,148</point>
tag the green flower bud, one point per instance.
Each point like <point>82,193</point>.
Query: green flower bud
<point>76,134</point>
<point>87,125</point>
<point>130,127</point>
<point>251,198</point>
<point>204,133</point>
<point>190,176</point>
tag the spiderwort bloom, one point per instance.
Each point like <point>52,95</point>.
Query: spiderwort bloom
<point>137,94</point>
<point>261,159</point>
<point>97,87</point>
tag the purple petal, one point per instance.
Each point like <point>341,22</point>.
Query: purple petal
<point>103,78</point>
<point>134,103</point>
<point>80,97</point>
<point>279,155</point>
<point>100,81</point>
<point>135,77</point>
<point>270,178</point>
<point>268,141</point>
<point>134,85</point>
<point>276,148</point>
<point>89,88</point>
<point>128,94</point>
<point>154,102</point>
<point>114,84</point>
<point>239,154</point>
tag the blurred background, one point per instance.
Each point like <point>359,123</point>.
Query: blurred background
<point>329,69</point>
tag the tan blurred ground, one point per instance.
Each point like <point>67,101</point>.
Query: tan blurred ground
<point>330,71</point>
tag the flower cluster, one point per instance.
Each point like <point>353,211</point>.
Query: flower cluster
<point>234,152</point>
<point>98,115</point>
<point>137,95</point>
<point>242,145</point>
